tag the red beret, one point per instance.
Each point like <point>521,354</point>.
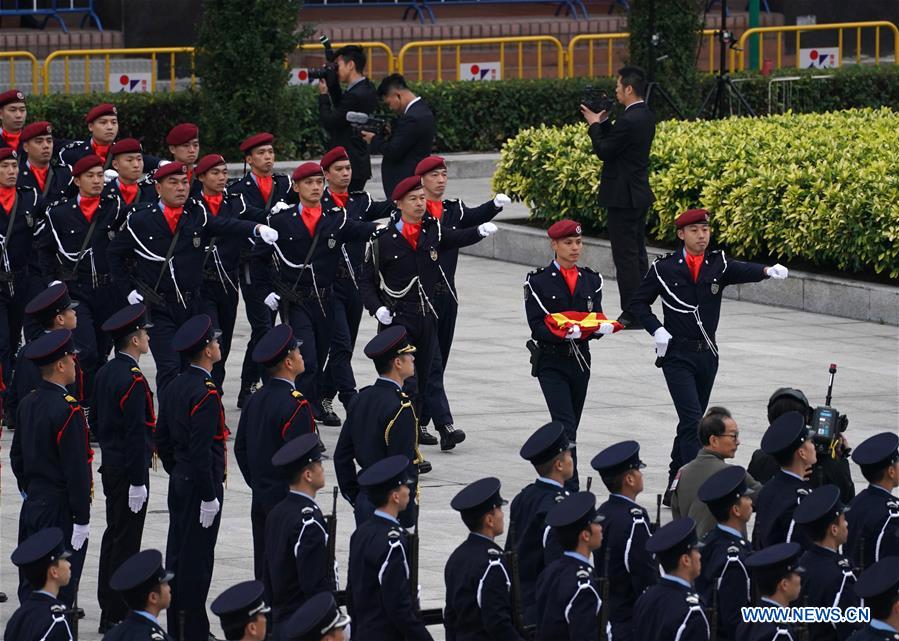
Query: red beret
<point>404,186</point>
<point>333,155</point>
<point>256,140</point>
<point>105,109</point>
<point>35,129</point>
<point>87,162</point>
<point>429,164</point>
<point>11,96</point>
<point>692,217</point>
<point>564,229</point>
<point>126,146</point>
<point>207,162</point>
<point>305,170</point>
<point>170,169</point>
<point>6,153</point>
<point>182,134</point>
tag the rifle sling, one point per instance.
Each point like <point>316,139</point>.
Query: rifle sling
<point>171,250</point>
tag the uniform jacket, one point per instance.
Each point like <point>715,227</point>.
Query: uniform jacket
<point>362,207</point>
<point>767,631</point>
<point>57,185</point>
<point>411,140</point>
<point>774,511</point>
<point>457,215</point>
<point>870,633</point>
<point>624,149</point>
<point>725,580</point>
<point>332,111</point>
<point>221,257</point>
<point>545,292</point>
<point>873,526</point>
<point>828,581</point>
<point>75,150</point>
<point>568,601</point>
<point>16,251</point>
<point>40,618</point>
<point>670,610</point>
<point>26,377</point>
<point>136,627</point>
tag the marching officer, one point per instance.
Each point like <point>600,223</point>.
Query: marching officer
<point>297,565</point>
<point>724,580</point>
<point>400,276</point>
<point>879,587</point>
<point>299,271</point>
<point>261,188</point>
<point>828,578</point>
<point>788,441</point>
<point>874,517</point>
<point>124,419</point>
<point>337,378</point>
<point>319,619</point>
<point>381,600</point>
<point>131,184</point>
<point>51,458</point>
<point>271,417</point>
<point>671,609</point>
<point>241,610</point>
<point>44,561</point>
<point>776,577</point>
<point>691,282</point>
<point>143,584</point>
<point>103,125</point>
<point>560,356</point>
<point>37,171</point>
<point>568,602</point>
<point>184,145</point>
<point>453,214</point>
<point>13,112</point>
<point>478,586</point>
<point>381,423</point>
<point>190,439</point>
<point>549,451</point>
<point>623,560</point>
<point>166,240</point>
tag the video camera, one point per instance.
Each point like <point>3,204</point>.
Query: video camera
<point>827,423</point>
<point>595,100</point>
<point>363,122</point>
<point>329,69</point>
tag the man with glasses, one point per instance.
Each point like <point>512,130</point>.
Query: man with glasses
<point>720,438</point>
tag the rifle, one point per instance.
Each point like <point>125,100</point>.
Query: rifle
<point>658,522</point>
<point>712,613</point>
<point>430,616</point>
<point>331,526</point>
<point>589,483</point>
<point>510,556</point>
<point>604,584</point>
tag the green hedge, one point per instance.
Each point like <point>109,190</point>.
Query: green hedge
<point>821,188</point>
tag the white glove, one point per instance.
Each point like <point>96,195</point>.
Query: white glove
<point>574,331</point>
<point>109,175</point>
<point>134,298</point>
<point>267,234</point>
<point>208,510</point>
<point>280,206</point>
<point>271,301</point>
<point>137,496</point>
<point>501,200</point>
<point>778,272</point>
<point>55,282</point>
<point>80,534</point>
<point>384,316</point>
<point>486,229</point>
<point>606,328</point>
<point>661,337</point>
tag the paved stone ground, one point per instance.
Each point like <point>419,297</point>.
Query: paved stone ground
<point>498,403</point>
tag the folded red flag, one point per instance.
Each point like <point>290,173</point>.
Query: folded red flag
<point>559,322</point>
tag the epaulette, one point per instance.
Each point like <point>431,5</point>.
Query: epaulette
<point>893,505</point>
<point>359,193</point>
<point>156,635</point>
<point>666,256</point>
<point>70,399</point>
<point>378,232</point>
<point>57,202</point>
<point>393,534</point>
<point>211,385</point>
<point>801,491</point>
<point>733,549</point>
<point>589,270</point>
<point>307,510</point>
<point>72,145</point>
<point>843,563</point>
<point>582,573</point>
<point>338,209</point>
<point>296,394</point>
<point>136,371</point>
<point>494,552</point>
<point>146,180</point>
<point>57,608</point>
<point>558,498</point>
<point>452,200</point>
<point>692,598</point>
<point>636,511</point>
<point>402,394</point>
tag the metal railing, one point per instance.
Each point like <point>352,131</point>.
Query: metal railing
<point>369,48</point>
<point>610,39</point>
<point>155,54</point>
<point>22,56</point>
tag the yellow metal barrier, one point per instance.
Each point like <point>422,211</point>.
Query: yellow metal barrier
<point>12,57</point>
<point>368,47</point>
<point>502,43</point>
<point>153,52</point>
<point>610,39</point>
<point>836,26</point>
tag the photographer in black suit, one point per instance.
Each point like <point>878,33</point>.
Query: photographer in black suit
<point>334,103</point>
<point>413,133</point>
<point>624,184</point>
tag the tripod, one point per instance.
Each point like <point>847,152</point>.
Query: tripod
<point>724,87</point>
<point>652,85</point>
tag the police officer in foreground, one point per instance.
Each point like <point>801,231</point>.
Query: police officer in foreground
<point>143,584</point>
<point>296,563</point>
<point>190,439</point>
<point>478,585</point>
<point>241,610</point>
<point>319,619</point>
<point>776,577</point>
<point>381,600</point>
<point>560,356</point>
<point>51,458</point>
<point>568,600</point>
<point>828,579</point>
<point>42,559</point>
<point>381,423</point>
<point>623,560</point>
<point>874,517</point>
<point>671,609</point>
<point>549,451</point>
<point>724,581</point>
<point>879,587</point>
<point>125,420</point>
<point>272,416</point>
<point>691,283</point>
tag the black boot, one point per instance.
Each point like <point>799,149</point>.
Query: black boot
<point>425,437</point>
<point>329,417</point>
<point>449,437</point>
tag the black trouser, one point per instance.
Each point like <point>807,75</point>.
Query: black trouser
<point>95,305</point>
<point>261,319</point>
<point>690,375</point>
<point>166,320</point>
<point>627,231</point>
<point>12,313</point>
<point>311,319</point>
<point>437,405</point>
<point>121,539</point>
<point>259,510</point>
<point>422,333</point>
<point>220,302</point>
<point>337,378</point>
<point>190,554</point>
<point>564,384</point>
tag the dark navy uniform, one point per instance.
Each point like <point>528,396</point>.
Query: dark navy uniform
<point>58,183</point>
<point>767,631</point>
<point>146,193</point>
<point>73,151</point>
<point>725,581</point>
<point>137,627</point>
<point>872,633</point>
<point>874,517</point>
<point>771,565</point>
<point>140,574</point>
<point>878,586</point>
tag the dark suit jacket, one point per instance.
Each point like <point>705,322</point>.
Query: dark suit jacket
<point>332,111</point>
<point>412,140</point>
<point>624,149</point>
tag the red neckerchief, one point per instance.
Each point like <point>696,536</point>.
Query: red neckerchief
<point>435,208</point>
<point>88,205</point>
<point>311,216</point>
<point>129,192</point>
<point>11,139</point>
<point>340,199</point>
<point>570,275</point>
<point>694,263</point>
<point>100,150</point>
<point>265,186</point>
<point>7,198</point>
<point>214,201</point>
<point>411,232</point>
<point>172,216</point>
<point>40,175</point>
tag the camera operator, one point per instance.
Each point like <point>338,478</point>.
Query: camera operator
<point>413,132</point>
<point>624,183</point>
<point>833,458</point>
<point>334,103</point>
